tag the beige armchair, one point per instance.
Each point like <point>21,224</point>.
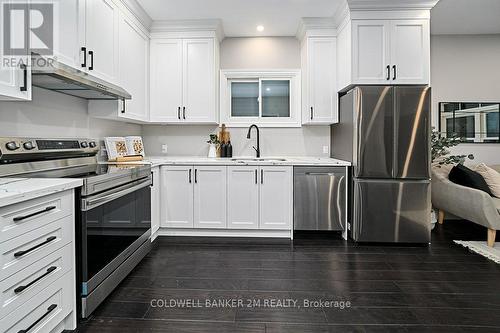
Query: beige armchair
<point>464,202</point>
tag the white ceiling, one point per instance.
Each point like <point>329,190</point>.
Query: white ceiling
<point>466,17</point>
<point>281,17</point>
<point>241,17</point>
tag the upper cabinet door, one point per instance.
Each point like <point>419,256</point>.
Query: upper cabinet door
<point>15,83</point>
<point>276,197</point>
<point>102,39</point>
<point>321,78</point>
<point>199,83</point>
<point>177,196</point>
<point>166,80</point>
<point>410,51</point>
<point>134,68</point>
<point>243,197</point>
<point>371,52</point>
<point>70,33</point>
<point>209,197</point>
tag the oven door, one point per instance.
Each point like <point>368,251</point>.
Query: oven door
<point>114,224</point>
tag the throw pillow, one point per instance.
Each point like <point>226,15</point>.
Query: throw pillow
<point>464,176</point>
<point>491,176</point>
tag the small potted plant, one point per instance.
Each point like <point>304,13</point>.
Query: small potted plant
<point>213,142</point>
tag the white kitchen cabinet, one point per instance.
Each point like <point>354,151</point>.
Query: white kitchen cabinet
<point>199,81</point>
<point>166,80</point>
<point>209,197</point>
<point>133,76</point>
<point>101,39</point>
<point>71,32</point>
<point>155,202</point>
<point>371,51</point>
<point>177,196</point>
<point>384,51</point>
<point>183,80</point>
<point>319,98</point>
<point>243,197</point>
<point>276,197</point>
<point>15,83</point>
<point>410,49</point>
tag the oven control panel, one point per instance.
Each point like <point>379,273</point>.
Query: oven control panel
<point>11,146</point>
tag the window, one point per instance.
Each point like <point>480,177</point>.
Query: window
<point>474,122</point>
<point>268,99</point>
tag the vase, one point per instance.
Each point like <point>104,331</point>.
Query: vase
<point>212,150</point>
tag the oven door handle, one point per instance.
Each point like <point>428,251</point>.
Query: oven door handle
<point>91,203</point>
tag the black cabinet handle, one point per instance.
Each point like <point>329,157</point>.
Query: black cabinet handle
<point>24,87</point>
<point>84,50</point>
<point>184,112</point>
<point>124,107</point>
<point>22,253</point>
<point>312,113</point>
<point>388,72</point>
<point>262,176</point>
<point>189,176</point>
<point>394,68</point>
<point>179,112</point>
<point>256,177</point>
<point>49,310</point>
<point>91,54</point>
<point>45,210</point>
<point>196,176</point>
<point>152,179</point>
<point>21,288</point>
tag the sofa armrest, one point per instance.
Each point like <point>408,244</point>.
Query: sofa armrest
<point>468,203</point>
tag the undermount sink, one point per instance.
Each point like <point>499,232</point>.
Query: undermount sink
<point>260,159</point>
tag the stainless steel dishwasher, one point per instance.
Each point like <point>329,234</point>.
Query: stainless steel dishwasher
<point>319,198</point>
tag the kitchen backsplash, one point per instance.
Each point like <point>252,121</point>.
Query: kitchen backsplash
<point>191,140</point>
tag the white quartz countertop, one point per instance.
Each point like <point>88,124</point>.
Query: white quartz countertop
<point>14,190</point>
<point>243,160</point>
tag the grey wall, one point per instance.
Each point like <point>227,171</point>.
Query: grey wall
<point>51,114</point>
<point>466,68</point>
<point>246,53</point>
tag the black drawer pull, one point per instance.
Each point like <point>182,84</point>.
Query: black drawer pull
<point>24,87</point>
<point>261,176</point>
<point>21,288</point>
<point>179,113</point>
<point>388,72</point>
<point>91,54</point>
<point>47,209</point>
<point>22,253</point>
<point>183,112</point>
<point>256,180</point>
<point>49,310</point>
<point>84,50</point>
<point>196,176</point>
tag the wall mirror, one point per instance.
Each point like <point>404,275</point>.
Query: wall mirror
<point>475,122</point>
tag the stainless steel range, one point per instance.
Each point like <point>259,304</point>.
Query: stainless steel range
<point>113,208</point>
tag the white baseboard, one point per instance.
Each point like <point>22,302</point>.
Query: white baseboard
<point>225,233</point>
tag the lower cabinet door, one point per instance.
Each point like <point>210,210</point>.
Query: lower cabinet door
<point>243,197</point>
<point>177,196</point>
<point>210,197</point>
<point>275,197</point>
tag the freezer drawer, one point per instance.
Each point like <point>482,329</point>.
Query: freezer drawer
<point>319,198</point>
<point>391,211</point>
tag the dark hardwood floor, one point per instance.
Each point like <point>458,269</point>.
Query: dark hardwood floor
<point>439,288</point>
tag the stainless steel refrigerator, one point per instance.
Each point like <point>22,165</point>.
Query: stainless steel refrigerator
<point>385,132</point>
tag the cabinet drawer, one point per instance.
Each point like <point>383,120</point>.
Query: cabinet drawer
<point>20,287</point>
<point>23,217</point>
<point>23,251</point>
<point>45,311</point>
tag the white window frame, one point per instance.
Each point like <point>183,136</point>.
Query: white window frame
<point>228,76</point>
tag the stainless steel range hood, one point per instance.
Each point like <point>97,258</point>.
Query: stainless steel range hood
<point>56,76</point>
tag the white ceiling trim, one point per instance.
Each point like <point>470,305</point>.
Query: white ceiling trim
<point>189,26</point>
<point>140,14</point>
<point>356,5</point>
